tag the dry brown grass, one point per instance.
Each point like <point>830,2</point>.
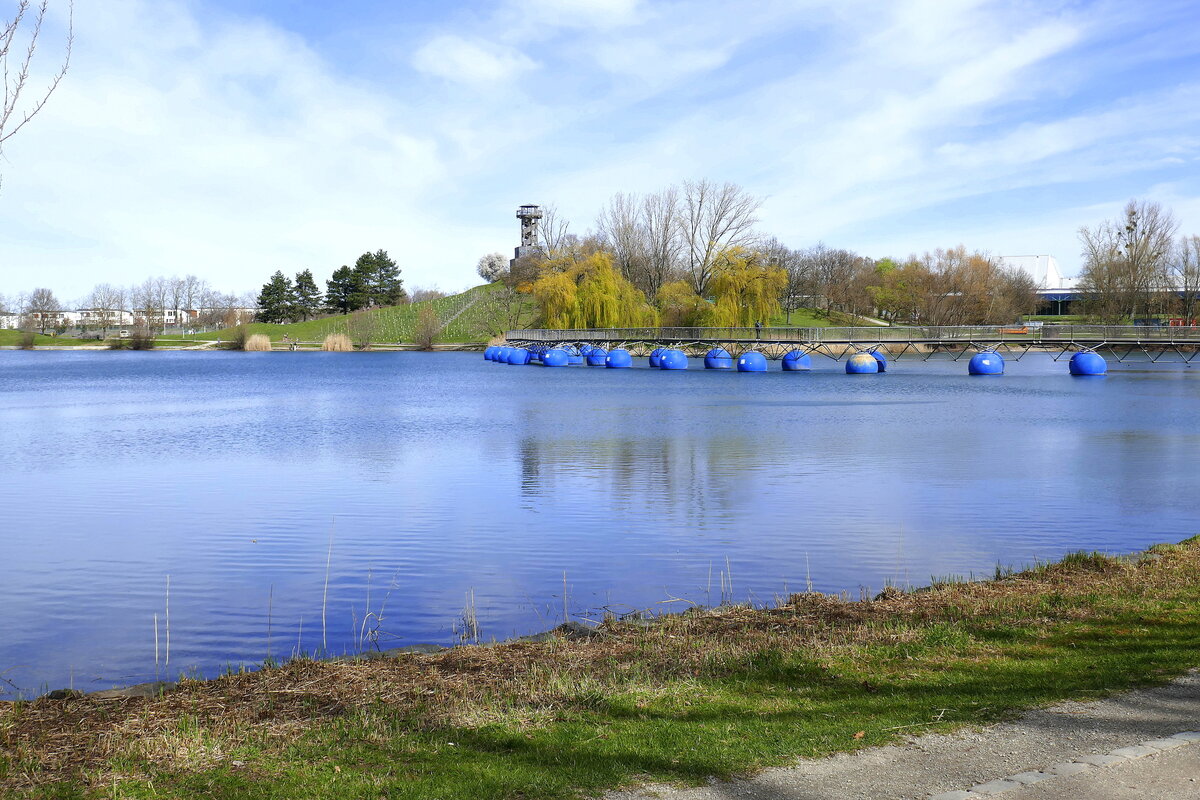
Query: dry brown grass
<point>532,683</point>
<point>337,343</point>
<point>258,343</point>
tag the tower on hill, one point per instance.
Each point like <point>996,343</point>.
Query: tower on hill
<point>530,216</point>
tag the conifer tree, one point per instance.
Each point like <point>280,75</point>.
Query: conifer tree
<point>308,296</point>
<point>343,292</point>
<point>379,280</point>
<point>277,299</point>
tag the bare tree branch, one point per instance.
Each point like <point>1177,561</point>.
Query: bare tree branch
<point>17,70</point>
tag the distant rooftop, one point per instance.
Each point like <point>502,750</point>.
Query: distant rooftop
<point>1043,269</point>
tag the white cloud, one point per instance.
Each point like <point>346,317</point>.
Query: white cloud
<point>187,141</point>
<point>578,13</point>
<point>474,62</point>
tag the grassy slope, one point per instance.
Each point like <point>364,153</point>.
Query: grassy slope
<point>707,693</point>
<point>396,323</point>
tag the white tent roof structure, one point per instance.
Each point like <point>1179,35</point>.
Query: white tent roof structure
<point>1043,269</point>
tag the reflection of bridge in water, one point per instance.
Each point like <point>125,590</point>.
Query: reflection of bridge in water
<point>1122,341</point>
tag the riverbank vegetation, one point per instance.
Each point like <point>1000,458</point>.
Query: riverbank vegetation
<point>678,698</point>
<point>690,255</point>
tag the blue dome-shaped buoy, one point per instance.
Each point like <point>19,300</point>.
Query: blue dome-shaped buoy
<point>596,357</point>
<point>656,356</point>
<point>1085,362</point>
<point>752,362</point>
<point>987,363</point>
<point>555,358</point>
<point>718,358</point>
<point>519,355</point>
<point>489,352</point>
<point>880,360</point>
<point>673,359</point>
<point>618,358</point>
<point>862,364</point>
<point>500,356</point>
<point>797,361</point>
<point>584,349</point>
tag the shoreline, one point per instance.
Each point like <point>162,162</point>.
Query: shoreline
<point>725,690</point>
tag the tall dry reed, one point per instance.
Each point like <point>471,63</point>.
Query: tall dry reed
<point>337,343</point>
<point>258,342</point>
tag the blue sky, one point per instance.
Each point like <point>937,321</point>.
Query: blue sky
<point>230,139</point>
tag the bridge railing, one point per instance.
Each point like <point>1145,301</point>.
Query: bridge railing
<point>868,333</point>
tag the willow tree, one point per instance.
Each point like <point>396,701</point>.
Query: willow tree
<point>680,306</point>
<point>746,289</point>
<point>589,293</point>
<point>558,297</point>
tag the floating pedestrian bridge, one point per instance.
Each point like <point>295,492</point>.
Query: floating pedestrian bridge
<point>1176,343</point>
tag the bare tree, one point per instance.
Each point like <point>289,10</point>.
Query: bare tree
<point>150,300</point>
<point>492,266</point>
<point>799,288</point>
<point>837,277</point>
<point>420,295</point>
<point>662,244</point>
<point>713,219</point>
<point>193,290</point>
<point>105,303</point>
<point>18,42</point>
<point>175,289</point>
<point>553,233</point>
<point>1185,272</point>
<point>620,228</point>
<point>1125,261</point>
<point>42,308</point>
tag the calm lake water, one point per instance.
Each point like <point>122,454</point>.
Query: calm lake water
<point>438,476</point>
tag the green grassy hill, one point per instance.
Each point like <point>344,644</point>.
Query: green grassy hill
<point>472,316</point>
<point>475,315</point>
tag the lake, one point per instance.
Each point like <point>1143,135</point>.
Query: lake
<point>386,490</point>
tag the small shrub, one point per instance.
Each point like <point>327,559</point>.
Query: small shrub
<point>257,342</point>
<point>364,329</point>
<point>238,338</point>
<point>140,340</point>
<point>26,341</point>
<point>337,343</point>
<point>427,328</point>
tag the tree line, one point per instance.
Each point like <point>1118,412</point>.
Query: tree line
<point>1134,266</point>
<point>373,282</point>
<point>147,302</point>
<point>692,255</point>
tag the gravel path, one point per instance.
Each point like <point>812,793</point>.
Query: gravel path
<point>1038,744</point>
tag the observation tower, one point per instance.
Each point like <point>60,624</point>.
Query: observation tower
<point>530,216</point>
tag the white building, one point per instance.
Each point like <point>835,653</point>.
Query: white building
<point>98,317</point>
<point>9,321</point>
<point>1044,270</point>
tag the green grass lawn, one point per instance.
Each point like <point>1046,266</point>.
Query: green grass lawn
<point>15,338</point>
<point>712,692</point>
<point>808,318</point>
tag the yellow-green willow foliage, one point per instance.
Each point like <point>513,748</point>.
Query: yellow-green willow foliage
<point>590,293</point>
<point>558,297</point>
<point>680,306</point>
<point>746,290</point>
